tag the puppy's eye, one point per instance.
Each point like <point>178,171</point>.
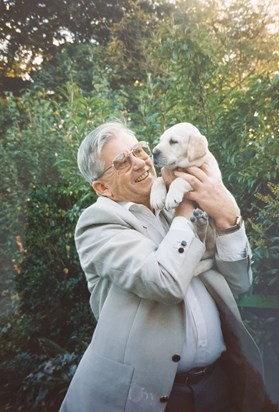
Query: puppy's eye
<point>173,141</point>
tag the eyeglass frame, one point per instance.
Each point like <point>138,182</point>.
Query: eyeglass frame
<point>127,155</point>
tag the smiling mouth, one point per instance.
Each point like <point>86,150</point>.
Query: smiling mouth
<point>142,177</point>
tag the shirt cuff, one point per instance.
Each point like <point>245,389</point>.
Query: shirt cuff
<point>181,223</point>
<point>232,246</point>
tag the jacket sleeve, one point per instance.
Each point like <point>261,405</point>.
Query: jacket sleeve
<point>237,272</point>
<point>133,262</point>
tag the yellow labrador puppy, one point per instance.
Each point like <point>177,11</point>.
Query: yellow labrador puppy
<point>182,146</point>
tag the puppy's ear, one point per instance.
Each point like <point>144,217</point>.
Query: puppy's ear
<point>197,147</point>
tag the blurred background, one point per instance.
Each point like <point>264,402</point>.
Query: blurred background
<point>67,66</point>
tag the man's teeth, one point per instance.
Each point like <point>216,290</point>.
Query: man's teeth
<point>142,177</point>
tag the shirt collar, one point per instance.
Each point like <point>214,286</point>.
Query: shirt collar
<point>137,206</point>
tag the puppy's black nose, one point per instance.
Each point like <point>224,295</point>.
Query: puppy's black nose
<point>155,155</point>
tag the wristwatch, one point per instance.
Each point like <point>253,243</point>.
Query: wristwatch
<point>231,229</point>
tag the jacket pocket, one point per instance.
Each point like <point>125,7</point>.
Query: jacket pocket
<point>99,385</point>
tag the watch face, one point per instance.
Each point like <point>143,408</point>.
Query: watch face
<point>239,221</point>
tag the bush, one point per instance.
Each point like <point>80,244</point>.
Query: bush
<point>188,75</point>
<point>43,341</point>
<point>50,282</point>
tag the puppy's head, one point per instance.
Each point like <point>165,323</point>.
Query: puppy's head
<point>182,145</point>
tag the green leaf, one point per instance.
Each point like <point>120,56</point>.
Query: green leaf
<point>51,348</point>
<point>259,301</point>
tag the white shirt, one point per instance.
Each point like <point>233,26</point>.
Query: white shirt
<point>204,341</point>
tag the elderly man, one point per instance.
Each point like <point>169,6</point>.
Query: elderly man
<point>168,338</point>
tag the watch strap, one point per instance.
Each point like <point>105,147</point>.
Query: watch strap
<point>231,229</point>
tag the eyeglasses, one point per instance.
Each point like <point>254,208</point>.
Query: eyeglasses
<point>123,160</point>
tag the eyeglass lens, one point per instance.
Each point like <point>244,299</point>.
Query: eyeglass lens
<point>123,160</point>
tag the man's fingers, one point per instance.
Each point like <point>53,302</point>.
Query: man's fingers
<point>192,180</point>
<point>199,173</point>
<point>205,167</point>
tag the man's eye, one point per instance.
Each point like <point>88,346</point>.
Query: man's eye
<point>121,164</point>
<point>173,141</point>
<point>138,151</point>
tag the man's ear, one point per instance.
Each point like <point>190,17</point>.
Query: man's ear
<point>197,147</point>
<point>101,189</point>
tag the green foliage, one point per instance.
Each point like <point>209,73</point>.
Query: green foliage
<point>39,381</point>
<point>50,284</point>
<point>200,62</point>
<point>26,158</point>
<point>249,160</point>
<point>265,241</point>
<point>52,306</point>
<point>33,26</point>
<point>45,386</point>
<point>125,54</point>
<point>29,30</point>
<point>68,64</point>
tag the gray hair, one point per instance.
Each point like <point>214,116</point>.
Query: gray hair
<point>88,157</point>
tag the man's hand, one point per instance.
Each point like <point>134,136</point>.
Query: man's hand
<point>168,176</point>
<point>210,193</point>
<point>186,207</point>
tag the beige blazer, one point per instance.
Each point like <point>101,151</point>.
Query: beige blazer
<point>137,286</point>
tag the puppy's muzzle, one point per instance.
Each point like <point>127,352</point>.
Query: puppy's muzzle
<point>156,153</point>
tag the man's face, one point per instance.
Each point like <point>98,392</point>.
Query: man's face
<point>132,185</point>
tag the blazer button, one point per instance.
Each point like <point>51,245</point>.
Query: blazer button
<point>183,243</point>
<point>176,358</point>
<point>164,399</point>
<point>181,250</point>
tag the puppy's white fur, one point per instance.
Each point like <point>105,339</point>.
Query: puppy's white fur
<point>180,146</point>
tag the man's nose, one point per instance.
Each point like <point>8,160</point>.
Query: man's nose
<point>137,162</point>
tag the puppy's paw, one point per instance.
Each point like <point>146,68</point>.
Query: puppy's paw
<point>158,194</point>
<point>200,220</point>
<point>176,192</point>
<point>157,201</point>
<point>174,197</point>
<point>199,217</point>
